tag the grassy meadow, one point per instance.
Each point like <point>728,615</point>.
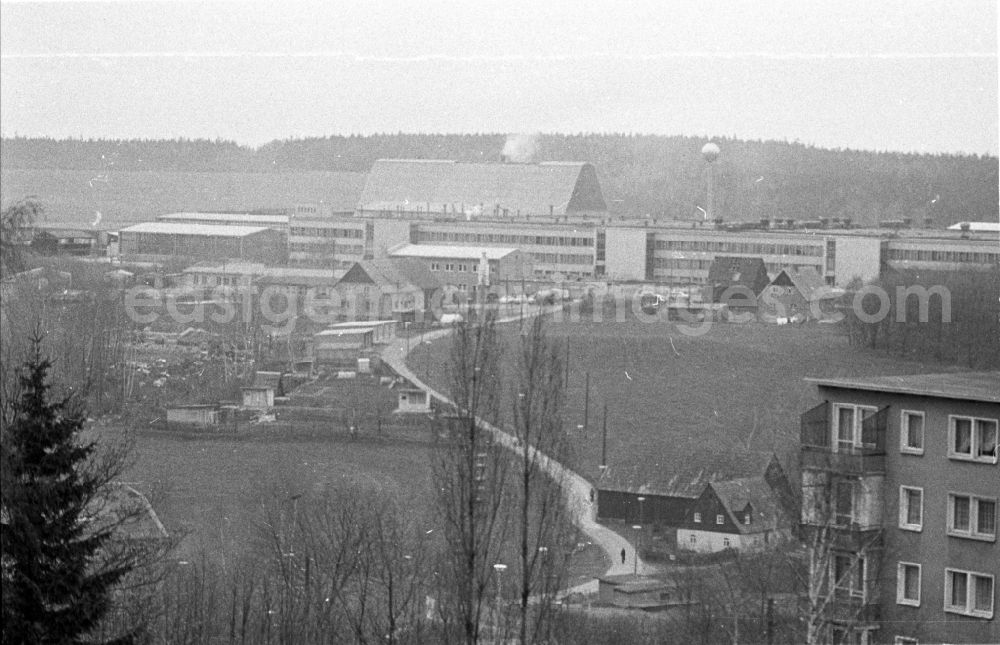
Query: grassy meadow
<point>736,387</point>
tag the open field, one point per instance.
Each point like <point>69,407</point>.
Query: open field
<point>212,488</point>
<point>736,387</point>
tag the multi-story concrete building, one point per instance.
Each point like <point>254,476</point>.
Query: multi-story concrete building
<point>900,485</point>
<point>337,242</point>
<point>555,250</point>
<point>684,255</point>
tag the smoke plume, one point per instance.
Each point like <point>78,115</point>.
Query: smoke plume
<point>520,148</point>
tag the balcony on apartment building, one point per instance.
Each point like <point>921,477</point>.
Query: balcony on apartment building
<point>848,440</point>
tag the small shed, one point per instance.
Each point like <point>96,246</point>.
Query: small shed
<point>335,345</point>
<point>383,331</point>
<point>631,591</point>
<point>260,394</point>
<point>413,399</point>
<point>258,398</point>
<point>200,415</point>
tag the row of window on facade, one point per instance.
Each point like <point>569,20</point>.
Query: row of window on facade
<point>504,238</point>
<point>970,593</point>
<point>970,516</point>
<point>966,592</point>
<point>721,519</point>
<point>317,231</point>
<point>562,258</point>
<point>928,255</point>
<point>969,438</point>
<point>455,267</point>
<point>339,249</point>
<point>746,248</point>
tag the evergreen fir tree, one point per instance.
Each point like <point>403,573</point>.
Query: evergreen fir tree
<point>56,588</point>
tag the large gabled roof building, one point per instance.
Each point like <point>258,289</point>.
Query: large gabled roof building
<point>424,188</point>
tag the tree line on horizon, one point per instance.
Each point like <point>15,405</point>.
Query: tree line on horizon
<point>645,176</point>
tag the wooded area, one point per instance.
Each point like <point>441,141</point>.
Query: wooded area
<point>642,175</point>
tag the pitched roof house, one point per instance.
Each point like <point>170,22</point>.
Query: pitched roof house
<point>795,293</point>
<point>736,281</point>
<point>670,492</point>
<point>391,288</point>
<point>745,513</point>
<point>425,187</point>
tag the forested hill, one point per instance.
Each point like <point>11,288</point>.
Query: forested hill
<point>642,175</point>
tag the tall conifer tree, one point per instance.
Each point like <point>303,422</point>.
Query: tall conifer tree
<point>56,587</point>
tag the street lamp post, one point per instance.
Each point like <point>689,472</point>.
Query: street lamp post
<point>638,539</point>
<point>635,561</point>
<point>499,568</point>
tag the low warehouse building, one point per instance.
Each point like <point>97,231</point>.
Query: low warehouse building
<point>162,241</point>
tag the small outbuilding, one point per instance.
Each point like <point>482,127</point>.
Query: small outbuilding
<point>340,345</point>
<point>198,415</point>
<point>413,399</point>
<point>631,591</point>
<point>260,394</point>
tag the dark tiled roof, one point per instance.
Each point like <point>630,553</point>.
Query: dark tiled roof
<point>685,474</point>
<point>966,386</point>
<point>805,279</point>
<point>735,494</point>
<point>392,272</point>
<point>532,189</point>
<point>730,271</point>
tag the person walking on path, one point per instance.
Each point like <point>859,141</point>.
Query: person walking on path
<point>623,556</point>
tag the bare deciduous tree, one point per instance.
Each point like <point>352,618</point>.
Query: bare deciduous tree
<point>470,472</point>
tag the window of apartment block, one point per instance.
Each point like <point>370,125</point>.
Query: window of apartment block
<point>844,503</point>
<point>849,574</point>
<point>972,439</point>
<point>719,519</point>
<point>968,592</point>
<point>908,584</point>
<point>848,420</point>
<point>697,518</point>
<point>972,517</point>
<point>911,508</point>
<point>911,433</point>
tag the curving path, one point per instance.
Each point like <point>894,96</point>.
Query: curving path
<point>576,488</point>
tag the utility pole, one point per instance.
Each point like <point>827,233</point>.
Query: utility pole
<point>566,380</point>
<point>586,403</point>
<point>604,438</point>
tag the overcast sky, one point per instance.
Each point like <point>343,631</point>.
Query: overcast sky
<point>909,75</point>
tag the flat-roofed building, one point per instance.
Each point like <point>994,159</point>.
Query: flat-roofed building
<point>554,249</point>
<point>683,256</point>
<point>164,241</point>
<point>337,242</point>
<point>271,220</point>
<point>467,267</point>
<point>900,475</point>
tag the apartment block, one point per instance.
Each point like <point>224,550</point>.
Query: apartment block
<point>900,485</point>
